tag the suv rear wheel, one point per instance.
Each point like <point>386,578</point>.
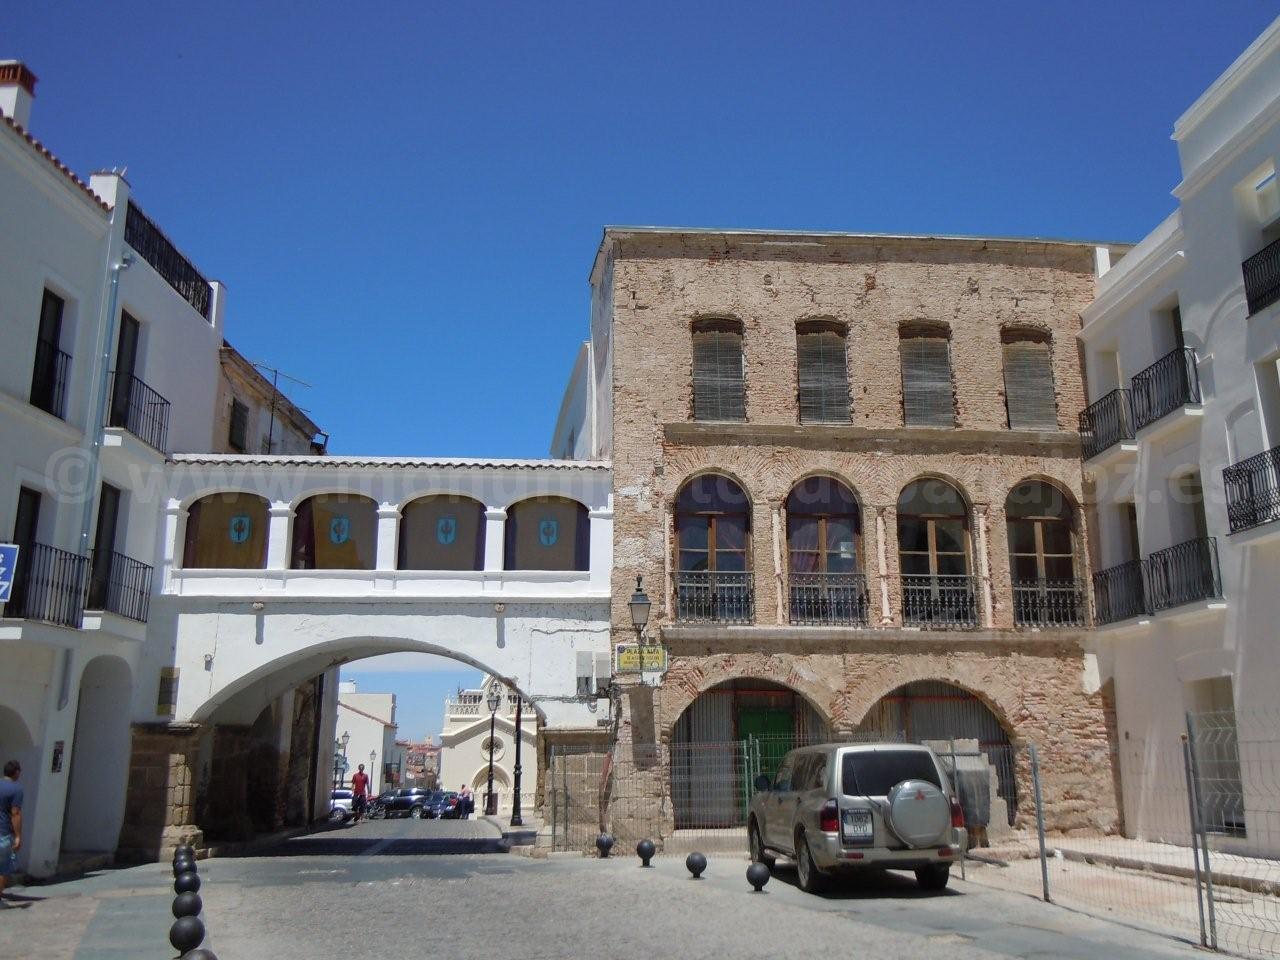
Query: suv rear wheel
<point>812,880</point>
<point>416,812</point>
<point>934,876</point>
<point>757,847</point>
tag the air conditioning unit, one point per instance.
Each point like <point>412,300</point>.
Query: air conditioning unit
<point>595,670</point>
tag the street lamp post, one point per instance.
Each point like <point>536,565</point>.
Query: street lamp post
<point>516,819</point>
<point>493,701</point>
<point>342,742</point>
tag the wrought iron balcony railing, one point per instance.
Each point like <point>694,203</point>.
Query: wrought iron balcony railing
<point>49,585</point>
<point>1262,277</point>
<point>1106,422</point>
<point>154,247</point>
<point>939,601</point>
<point>1253,490</point>
<point>120,584</point>
<point>720,596</point>
<point>140,410</point>
<point>1184,573</point>
<point>1168,384</point>
<point>1048,603</point>
<point>829,598</point>
<point>1120,592</point>
<point>49,379</point>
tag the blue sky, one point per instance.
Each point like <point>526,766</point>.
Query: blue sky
<point>405,202</point>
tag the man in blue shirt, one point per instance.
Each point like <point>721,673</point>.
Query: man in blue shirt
<point>10,827</point>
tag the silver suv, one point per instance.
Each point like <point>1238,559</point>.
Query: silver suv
<point>841,807</point>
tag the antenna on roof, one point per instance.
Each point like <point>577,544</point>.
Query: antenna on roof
<point>276,374</point>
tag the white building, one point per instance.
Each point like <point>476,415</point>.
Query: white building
<point>464,746</point>
<point>1182,441</point>
<point>366,728</point>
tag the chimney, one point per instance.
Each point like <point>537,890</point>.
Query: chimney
<point>17,90</point>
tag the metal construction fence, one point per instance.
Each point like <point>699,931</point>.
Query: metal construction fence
<point>1196,857</point>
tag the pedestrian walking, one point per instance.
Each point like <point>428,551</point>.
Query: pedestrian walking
<point>466,801</point>
<point>10,828</point>
<point>359,793</point>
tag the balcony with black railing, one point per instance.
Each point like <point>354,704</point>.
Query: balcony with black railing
<point>1120,593</point>
<point>120,584</point>
<point>1184,573</point>
<point>1106,422</point>
<point>1167,385</point>
<point>939,601</point>
<point>1253,490</point>
<point>1048,603</point>
<point>834,599</point>
<point>50,377</point>
<point>49,585</point>
<point>153,246</point>
<point>715,596</point>
<point>1262,277</point>
<point>139,409</point>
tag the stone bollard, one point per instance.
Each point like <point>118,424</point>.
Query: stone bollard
<point>695,863</point>
<point>182,866</point>
<point>604,843</point>
<point>187,905</point>
<point>187,883</point>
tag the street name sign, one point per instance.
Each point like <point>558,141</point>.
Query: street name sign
<point>8,563</point>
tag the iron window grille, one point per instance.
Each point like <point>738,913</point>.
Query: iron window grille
<point>153,246</point>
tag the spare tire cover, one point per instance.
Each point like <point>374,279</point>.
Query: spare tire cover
<point>918,812</point>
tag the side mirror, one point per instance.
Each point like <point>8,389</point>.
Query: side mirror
<point>762,783</point>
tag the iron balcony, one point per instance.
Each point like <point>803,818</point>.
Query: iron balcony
<point>1106,422</point>
<point>1184,573</point>
<point>1167,385</point>
<point>1120,593</point>
<point>49,379</point>
<point>120,585</point>
<point>939,601</point>
<point>1253,490</point>
<point>1262,277</point>
<point>1048,603</point>
<point>828,598</point>
<point>140,410</point>
<point>49,584</point>
<point>718,596</point>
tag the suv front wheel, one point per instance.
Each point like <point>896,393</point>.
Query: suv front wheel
<point>757,847</point>
<point>812,880</point>
<point>934,876</point>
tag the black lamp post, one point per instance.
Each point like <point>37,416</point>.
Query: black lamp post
<point>493,701</point>
<point>341,769</point>
<point>639,604</point>
<point>516,819</point>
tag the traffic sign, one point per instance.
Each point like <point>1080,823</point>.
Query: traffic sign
<point>8,563</point>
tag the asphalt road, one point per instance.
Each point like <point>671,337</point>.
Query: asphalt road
<point>379,889</point>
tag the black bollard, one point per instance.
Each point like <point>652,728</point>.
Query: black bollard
<point>187,905</point>
<point>184,850</point>
<point>645,850</point>
<point>696,863</point>
<point>183,866</point>
<point>186,934</point>
<point>187,883</point>
<point>758,875</point>
<point>604,843</point>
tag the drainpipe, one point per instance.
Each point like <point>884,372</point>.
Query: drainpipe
<point>96,427</point>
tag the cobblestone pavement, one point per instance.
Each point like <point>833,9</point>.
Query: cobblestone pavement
<point>365,892</point>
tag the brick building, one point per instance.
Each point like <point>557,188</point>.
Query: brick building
<point>847,468</point>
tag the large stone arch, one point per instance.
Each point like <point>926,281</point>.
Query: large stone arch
<point>858,699</point>
<point>686,681</point>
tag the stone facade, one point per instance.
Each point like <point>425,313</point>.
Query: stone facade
<point>650,286</point>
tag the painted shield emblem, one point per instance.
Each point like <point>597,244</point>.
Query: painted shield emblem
<point>240,528</point>
<point>549,532</point>
<point>446,530</point>
<point>339,530</point>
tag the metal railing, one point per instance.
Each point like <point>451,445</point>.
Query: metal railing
<point>1262,277</point>
<point>49,378</point>
<point>1106,422</point>
<point>1184,573</point>
<point>829,598</point>
<point>1169,383</point>
<point>120,584</point>
<point>722,596</point>
<point>140,410</point>
<point>940,600</point>
<point>1253,490</point>
<point>154,247</point>
<point>1048,603</point>
<point>1120,592</point>
<point>49,584</point>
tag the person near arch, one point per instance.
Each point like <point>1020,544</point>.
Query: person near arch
<point>10,828</point>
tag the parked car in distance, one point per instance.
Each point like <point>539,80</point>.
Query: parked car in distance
<point>379,805</point>
<point>410,802</point>
<point>449,807</point>
<point>844,807</point>
<point>340,806</point>
<point>436,804</point>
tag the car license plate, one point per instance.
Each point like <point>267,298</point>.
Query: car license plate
<point>857,825</point>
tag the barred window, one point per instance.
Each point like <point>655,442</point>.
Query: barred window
<point>1028,381</point>
<point>719,389</point>
<point>927,395</point>
<point>823,372</point>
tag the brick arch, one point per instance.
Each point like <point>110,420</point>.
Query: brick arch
<point>737,477</point>
<point>856,702</point>
<point>682,687</point>
<point>1045,478</point>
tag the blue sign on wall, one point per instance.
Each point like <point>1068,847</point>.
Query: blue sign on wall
<point>8,563</point>
<point>446,530</point>
<point>339,530</point>
<point>549,532</point>
<point>240,527</point>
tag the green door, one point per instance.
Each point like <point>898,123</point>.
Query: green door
<point>774,731</point>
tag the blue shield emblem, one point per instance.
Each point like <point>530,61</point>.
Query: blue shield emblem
<point>339,530</point>
<point>240,528</point>
<point>446,530</point>
<point>549,532</point>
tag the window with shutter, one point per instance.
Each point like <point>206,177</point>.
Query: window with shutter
<point>237,435</point>
<point>719,389</point>
<point>1028,384</point>
<point>823,374</point>
<point>927,399</point>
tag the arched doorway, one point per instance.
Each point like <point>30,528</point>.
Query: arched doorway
<point>16,744</point>
<point>942,714</point>
<point>728,735</point>
<point>100,753</point>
